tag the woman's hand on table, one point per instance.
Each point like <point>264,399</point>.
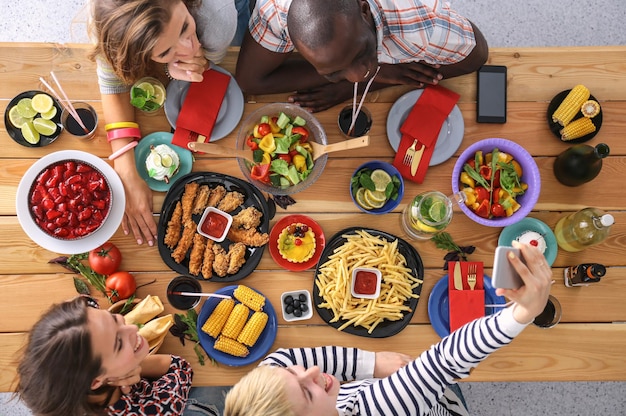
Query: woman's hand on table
<point>531,298</point>
<point>388,363</point>
<point>138,216</point>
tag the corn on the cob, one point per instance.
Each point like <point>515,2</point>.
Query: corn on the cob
<point>570,106</point>
<point>236,321</point>
<point>249,297</point>
<point>230,346</point>
<point>213,326</point>
<point>577,129</point>
<point>590,108</point>
<point>253,328</point>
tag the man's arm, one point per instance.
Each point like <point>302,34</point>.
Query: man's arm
<point>472,62</point>
<point>260,71</point>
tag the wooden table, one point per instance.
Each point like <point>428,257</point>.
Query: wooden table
<point>587,345</point>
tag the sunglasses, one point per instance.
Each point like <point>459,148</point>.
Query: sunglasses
<point>91,302</point>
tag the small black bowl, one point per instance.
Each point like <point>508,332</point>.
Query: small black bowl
<point>183,284</point>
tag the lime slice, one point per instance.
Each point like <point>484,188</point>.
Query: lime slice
<point>49,115</point>
<point>159,95</point>
<point>16,119</point>
<point>42,103</point>
<point>437,211</point>
<point>359,197</point>
<point>30,134</point>
<point>147,87</point>
<point>380,179</point>
<point>25,108</point>
<point>45,127</point>
<point>166,161</point>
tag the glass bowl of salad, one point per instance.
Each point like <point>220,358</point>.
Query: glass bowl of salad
<point>500,180</point>
<point>278,136</point>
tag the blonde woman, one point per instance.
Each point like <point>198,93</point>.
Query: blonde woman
<point>333,381</point>
<point>137,38</point>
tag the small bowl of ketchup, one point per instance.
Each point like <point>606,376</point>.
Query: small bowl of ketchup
<point>365,282</point>
<point>215,224</point>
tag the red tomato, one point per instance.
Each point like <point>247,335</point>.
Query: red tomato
<point>120,285</point>
<point>497,210</point>
<point>105,259</point>
<point>285,157</point>
<point>264,129</point>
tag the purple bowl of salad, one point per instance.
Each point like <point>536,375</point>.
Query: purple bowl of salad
<point>277,136</point>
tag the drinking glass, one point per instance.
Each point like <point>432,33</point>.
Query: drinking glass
<point>148,95</point>
<point>87,115</point>
<point>362,125</point>
<point>551,314</point>
<point>428,214</point>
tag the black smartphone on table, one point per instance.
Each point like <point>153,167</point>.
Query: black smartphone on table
<point>504,274</point>
<point>491,94</point>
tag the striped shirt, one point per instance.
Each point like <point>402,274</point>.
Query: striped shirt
<point>407,30</point>
<point>416,389</point>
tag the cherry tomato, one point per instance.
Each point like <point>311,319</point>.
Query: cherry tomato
<point>264,129</point>
<point>120,285</point>
<point>497,210</point>
<point>285,157</point>
<point>105,259</point>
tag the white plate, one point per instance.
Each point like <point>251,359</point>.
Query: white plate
<point>230,111</point>
<point>450,136</point>
<point>100,236</point>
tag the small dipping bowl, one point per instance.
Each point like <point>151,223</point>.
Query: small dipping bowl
<point>183,284</point>
<point>365,282</point>
<point>215,224</point>
<point>362,125</point>
<point>298,295</point>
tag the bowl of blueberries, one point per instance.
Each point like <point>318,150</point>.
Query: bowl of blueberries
<point>296,305</point>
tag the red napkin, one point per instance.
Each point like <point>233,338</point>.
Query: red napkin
<point>201,107</point>
<point>465,305</point>
<point>424,123</point>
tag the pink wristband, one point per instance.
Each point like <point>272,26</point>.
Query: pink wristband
<point>133,132</point>
<point>122,150</point>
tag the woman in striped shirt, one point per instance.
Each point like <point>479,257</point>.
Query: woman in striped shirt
<point>347,381</point>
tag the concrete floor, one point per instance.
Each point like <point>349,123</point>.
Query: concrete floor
<point>505,24</point>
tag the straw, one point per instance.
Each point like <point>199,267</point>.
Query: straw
<point>212,295</point>
<point>356,111</point>
<point>67,105</point>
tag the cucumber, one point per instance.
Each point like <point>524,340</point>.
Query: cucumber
<point>299,121</point>
<point>283,120</point>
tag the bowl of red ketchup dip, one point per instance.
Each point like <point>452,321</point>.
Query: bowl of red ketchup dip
<point>215,224</point>
<point>365,282</point>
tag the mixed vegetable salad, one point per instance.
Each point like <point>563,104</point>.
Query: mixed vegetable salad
<point>281,150</point>
<point>492,183</point>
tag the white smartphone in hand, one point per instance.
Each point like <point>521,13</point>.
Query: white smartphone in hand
<point>504,274</point>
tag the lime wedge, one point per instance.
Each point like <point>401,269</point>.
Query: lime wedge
<point>159,95</point>
<point>147,87</point>
<point>30,134</point>
<point>16,119</point>
<point>45,127</point>
<point>25,108</point>
<point>166,161</point>
<point>49,115</point>
<point>380,179</point>
<point>42,103</point>
<point>437,211</point>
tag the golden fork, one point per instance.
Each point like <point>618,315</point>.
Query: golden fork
<point>410,152</point>
<point>471,276</point>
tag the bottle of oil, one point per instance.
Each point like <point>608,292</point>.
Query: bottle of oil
<point>584,274</point>
<point>580,163</point>
<point>587,227</point>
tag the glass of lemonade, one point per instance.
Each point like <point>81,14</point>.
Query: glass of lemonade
<point>148,95</point>
<point>427,214</point>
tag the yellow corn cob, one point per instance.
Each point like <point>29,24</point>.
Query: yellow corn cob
<point>249,297</point>
<point>577,129</point>
<point>570,106</point>
<point>213,326</point>
<point>236,321</point>
<point>230,346</point>
<point>253,328</point>
<point>590,108</point>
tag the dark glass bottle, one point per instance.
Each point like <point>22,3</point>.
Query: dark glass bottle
<point>580,163</point>
<point>583,274</point>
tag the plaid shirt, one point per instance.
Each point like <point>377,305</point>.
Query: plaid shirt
<point>407,30</point>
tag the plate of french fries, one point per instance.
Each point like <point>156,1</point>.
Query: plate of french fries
<point>237,331</point>
<point>189,253</point>
<point>402,276</point>
<point>574,115</point>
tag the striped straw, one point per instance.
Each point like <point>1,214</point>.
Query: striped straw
<point>67,105</point>
<point>355,110</point>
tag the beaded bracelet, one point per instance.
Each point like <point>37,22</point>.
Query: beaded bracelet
<point>122,150</point>
<point>167,72</point>
<point>132,132</point>
<point>120,125</point>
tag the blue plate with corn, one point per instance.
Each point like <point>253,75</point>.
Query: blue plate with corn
<point>237,331</point>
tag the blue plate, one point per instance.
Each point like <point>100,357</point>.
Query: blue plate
<point>438,307</point>
<point>143,149</point>
<point>257,352</point>
<point>511,232</point>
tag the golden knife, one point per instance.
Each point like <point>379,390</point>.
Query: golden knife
<point>417,157</point>
<point>458,280</point>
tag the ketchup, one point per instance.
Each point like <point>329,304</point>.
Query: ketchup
<point>365,282</point>
<point>214,224</point>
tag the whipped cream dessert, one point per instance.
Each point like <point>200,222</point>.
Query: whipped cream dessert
<point>534,239</point>
<point>162,163</point>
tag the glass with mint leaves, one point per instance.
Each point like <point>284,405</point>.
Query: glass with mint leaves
<point>147,94</point>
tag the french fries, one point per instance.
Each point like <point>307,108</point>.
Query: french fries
<point>364,249</point>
